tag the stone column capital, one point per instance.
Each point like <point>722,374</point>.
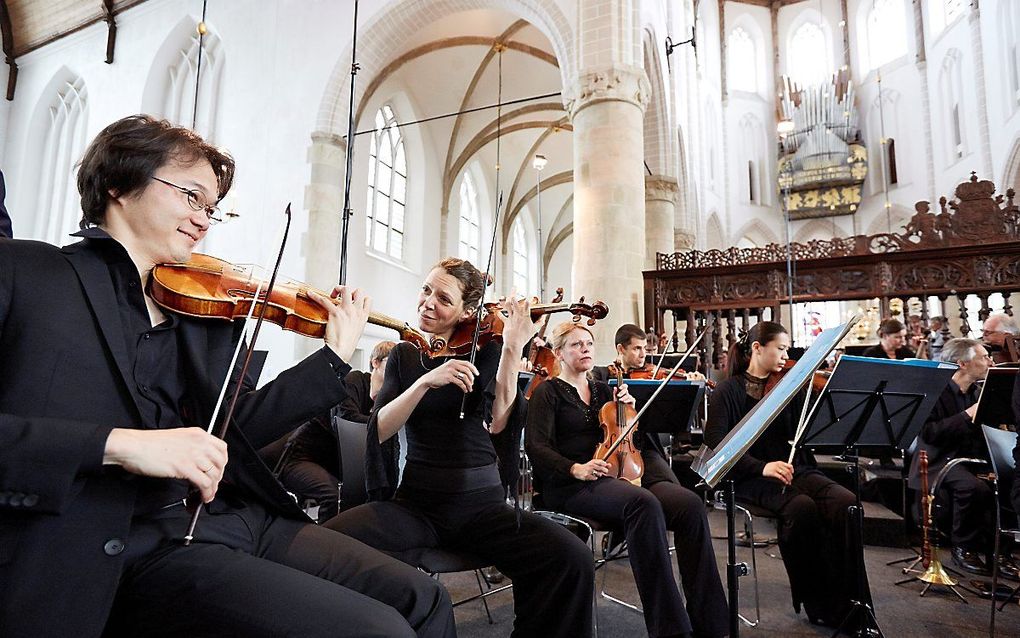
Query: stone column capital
<point>683,240</point>
<point>661,188</point>
<point>615,83</point>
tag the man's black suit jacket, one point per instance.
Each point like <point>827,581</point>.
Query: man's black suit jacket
<point>63,386</point>
<point>5,219</point>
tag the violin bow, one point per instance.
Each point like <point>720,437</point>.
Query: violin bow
<point>481,302</point>
<point>190,536</point>
<point>495,224</point>
<point>662,384</point>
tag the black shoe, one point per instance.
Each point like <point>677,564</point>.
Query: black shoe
<point>970,561</point>
<point>1008,568</point>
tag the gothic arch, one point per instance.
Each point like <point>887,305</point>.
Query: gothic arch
<point>170,87</point>
<point>813,229</point>
<point>57,130</point>
<point>715,237</point>
<point>1011,172</point>
<point>656,118</point>
<point>400,19</point>
<point>756,233</point>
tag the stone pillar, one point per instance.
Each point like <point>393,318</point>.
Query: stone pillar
<point>324,200</point>
<point>606,108</point>
<point>661,196</point>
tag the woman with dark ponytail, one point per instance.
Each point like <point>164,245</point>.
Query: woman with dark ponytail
<point>810,507</point>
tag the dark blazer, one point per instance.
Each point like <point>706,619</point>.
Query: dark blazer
<point>948,433</point>
<point>5,219</point>
<point>63,386</point>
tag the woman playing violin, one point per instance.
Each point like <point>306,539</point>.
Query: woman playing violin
<point>562,434</point>
<point>811,508</point>
<point>450,495</point>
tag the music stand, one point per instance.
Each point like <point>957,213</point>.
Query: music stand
<point>523,379</point>
<point>995,405</point>
<point>673,410</point>
<point>712,466</point>
<point>878,403</point>
<point>669,360</point>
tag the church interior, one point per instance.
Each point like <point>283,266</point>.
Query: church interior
<point>696,165</point>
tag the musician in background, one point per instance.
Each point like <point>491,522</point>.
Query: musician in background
<point>1016,449</point>
<point>312,469</point>
<point>995,332</point>
<point>811,508</point>
<point>936,340</point>
<point>561,437</point>
<point>950,432</point>
<point>892,339</point>
<point>631,355</point>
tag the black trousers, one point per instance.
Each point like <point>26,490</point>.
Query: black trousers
<point>309,480</point>
<point>552,570</point>
<point>249,573</point>
<point>813,538</point>
<point>973,506</point>
<point>645,515</point>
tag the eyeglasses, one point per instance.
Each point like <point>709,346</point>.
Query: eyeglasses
<point>196,201</point>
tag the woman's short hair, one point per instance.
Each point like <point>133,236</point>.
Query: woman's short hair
<point>890,327</point>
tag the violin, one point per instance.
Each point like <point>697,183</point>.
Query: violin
<point>818,380</point>
<point>648,371</point>
<point>209,287</point>
<point>541,359</point>
<point>623,457</point>
<point>460,342</point>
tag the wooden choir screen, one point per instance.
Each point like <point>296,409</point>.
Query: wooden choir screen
<point>970,247</point>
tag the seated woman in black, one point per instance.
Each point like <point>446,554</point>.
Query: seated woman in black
<point>811,508</point>
<point>450,495</point>
<point>892,341</point>
<point>311,469</point>
<point>562,434</point>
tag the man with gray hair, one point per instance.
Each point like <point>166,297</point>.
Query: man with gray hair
<point>996,333</point>
<point>950,432</point>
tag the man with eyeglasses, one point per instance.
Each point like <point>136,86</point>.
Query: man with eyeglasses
<point>950,432</point>
<point>998,333</point>
<point>104,397</point>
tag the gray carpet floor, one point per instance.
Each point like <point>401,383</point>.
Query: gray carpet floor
<point>901,612</point>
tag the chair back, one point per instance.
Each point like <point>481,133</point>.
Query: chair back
<point>1000,451</point>
<point>351,445</point>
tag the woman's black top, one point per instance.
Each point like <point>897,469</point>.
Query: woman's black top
<point>729,404</point>
<point>436,435</point>
<point>562,430</point>
<point>876,351</point>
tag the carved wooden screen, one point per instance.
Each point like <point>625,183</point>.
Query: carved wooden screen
<point>970,247</point>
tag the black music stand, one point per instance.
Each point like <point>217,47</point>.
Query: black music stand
<point>669,360</point>
<point>995,403</point>
<point>673,410</point>
<point>880,404</point>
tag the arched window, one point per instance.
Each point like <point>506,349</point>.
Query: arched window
<point>808,59</point>
<point>179,106</point>
<point>742,62</point>
<point>387,187</point>
<point>943,12</point>
<point>1009,22</point>
<point>469,226</point>
<point>951,87</point>
<point>751,146</point>
<point>63,146</point>
<point>886,33</point>
<point>522,278</point>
